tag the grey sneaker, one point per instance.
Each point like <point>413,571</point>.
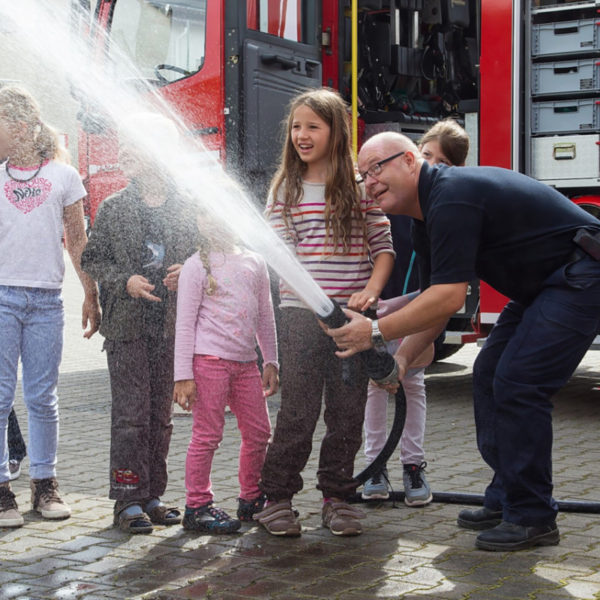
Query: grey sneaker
<point>14,466</point>
<point>9,512</point>
<point>376,488</point>
<point>416,489</point>
<point>46,500</point>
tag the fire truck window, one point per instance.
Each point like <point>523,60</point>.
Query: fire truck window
<point>156,33</point>
<point>288,19</point>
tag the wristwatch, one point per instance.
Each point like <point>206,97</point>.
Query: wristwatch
<point>377,337</point>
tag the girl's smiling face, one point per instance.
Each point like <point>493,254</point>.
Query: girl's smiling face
<point>310,137</point>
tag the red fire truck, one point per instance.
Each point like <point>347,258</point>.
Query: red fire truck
<point>522,76</point>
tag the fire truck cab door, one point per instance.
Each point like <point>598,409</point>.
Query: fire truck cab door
<point>281,58</point>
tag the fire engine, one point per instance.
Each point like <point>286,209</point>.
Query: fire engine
<point>522,76</point>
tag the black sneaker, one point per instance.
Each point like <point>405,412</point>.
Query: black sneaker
<point>479,518</point>
<point>510,536</point>
<point>247,508</point>
<point>209,519</point>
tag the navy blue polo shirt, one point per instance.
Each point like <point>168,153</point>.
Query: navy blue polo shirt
<point>494,224</point>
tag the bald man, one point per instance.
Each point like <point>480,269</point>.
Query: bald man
<point>518,235</point>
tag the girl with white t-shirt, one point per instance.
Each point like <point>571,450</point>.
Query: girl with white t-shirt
<point>40,199</point>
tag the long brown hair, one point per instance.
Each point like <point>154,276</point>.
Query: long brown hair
<point>17,105</point>
<point>342,195</point>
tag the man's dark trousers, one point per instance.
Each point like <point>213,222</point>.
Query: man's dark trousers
<point>529,355</point>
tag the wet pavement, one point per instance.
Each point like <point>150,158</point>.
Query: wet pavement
<point>403,552</point>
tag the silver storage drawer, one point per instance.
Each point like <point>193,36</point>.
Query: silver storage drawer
<point>564,36</point>
<point>565,76</point>
<point>566,158</point>
<point>565,115</point>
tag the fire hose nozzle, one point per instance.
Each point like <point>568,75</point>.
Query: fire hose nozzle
<point>381,367</point>
<point>391,377</point>
<point>336,318</point>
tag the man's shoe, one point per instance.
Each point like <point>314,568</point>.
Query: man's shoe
<point>14,466</point>
<point>376,488</point>
<point>341,518</point>
<point>507,537</point>
<point>9,512</point>
<point>279,518</point>
<point>46,500</point>
<point>416,489</point>
<point>480,518</point>
<point>209,519</point>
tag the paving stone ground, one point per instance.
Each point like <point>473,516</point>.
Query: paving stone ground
<point>404,552</point>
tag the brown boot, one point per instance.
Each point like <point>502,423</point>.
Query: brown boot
<point>279,519</point>
<point>341,518</point>
<point>46,500</point>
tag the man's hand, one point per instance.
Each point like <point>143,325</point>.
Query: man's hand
<point>90,314</point>
<point>172,277</point>
<point>352,337</point>
<point>184,393</point>
<point>139,287</point>
<point>270,380</point>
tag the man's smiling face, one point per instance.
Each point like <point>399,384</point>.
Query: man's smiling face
<point>389,186</point>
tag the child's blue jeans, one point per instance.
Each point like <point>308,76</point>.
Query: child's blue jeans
<point>31,326</point>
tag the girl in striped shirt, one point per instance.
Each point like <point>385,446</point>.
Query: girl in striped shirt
<point>344,241</point>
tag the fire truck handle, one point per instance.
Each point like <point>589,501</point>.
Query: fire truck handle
<point>286,63</point>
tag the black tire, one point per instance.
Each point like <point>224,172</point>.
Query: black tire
<point>441,350</point>
<point>444,351</point>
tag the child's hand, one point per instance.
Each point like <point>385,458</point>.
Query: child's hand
<point>90,315</point>
<point>390,388</point>
<point>360,301</point>
<point>270,379</point>
<point>139,287</point>
<point>172,277</point>
<point>184,393</point>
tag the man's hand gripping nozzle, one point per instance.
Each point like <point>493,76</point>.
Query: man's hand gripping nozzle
<point>381,366</point>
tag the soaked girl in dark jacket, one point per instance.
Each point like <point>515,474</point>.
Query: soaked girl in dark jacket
<point>140,239</point>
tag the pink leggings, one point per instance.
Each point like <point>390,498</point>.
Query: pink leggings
<point>220,383</point>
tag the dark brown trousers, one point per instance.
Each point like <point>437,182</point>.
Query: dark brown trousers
<point>141,381</point>
<point>310,371</point>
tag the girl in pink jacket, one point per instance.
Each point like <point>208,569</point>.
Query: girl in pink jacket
<point>224,308</point>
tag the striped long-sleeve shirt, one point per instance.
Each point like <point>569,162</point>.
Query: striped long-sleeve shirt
<point>339,275</point>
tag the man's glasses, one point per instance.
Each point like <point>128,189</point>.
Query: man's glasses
<point>375,170</point>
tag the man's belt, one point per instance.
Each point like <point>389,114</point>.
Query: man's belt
<point>588,242</point>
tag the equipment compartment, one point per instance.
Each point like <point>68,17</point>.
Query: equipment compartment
<point>561,116</point>
<point>577,75</point>
<point>564,37</point>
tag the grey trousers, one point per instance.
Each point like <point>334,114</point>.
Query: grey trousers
<point>141,381</point>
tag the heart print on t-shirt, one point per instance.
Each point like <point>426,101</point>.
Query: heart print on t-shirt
<point>27,195</point>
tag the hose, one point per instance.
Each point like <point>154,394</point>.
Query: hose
<point>381,367</point>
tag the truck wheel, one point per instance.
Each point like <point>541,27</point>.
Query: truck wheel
<point>443,351</point>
